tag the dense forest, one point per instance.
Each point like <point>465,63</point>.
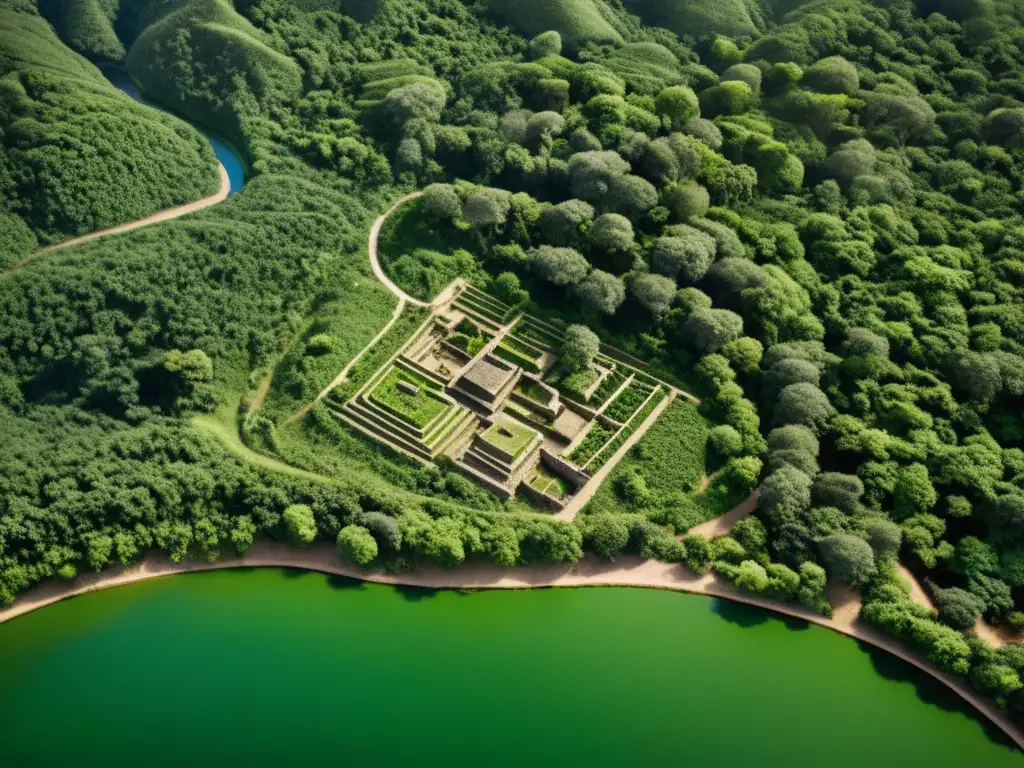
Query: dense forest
<point>807,213</point>
<point>77,154</point>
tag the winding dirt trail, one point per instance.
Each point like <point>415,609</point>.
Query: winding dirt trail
<point>997,637</point>
<point>403,299</point>
<point>628,571</point>
<point>720,526</point>
<point>378,271</point>
<point>165,215</point>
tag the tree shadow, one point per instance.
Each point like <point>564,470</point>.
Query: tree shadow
<point>931,691</point>
<point>416,594</point>
<point>739,614</point>
<point>334,581</point>
<point>744,615</point>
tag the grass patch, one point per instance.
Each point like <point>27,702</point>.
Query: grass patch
<point>672,455</point>
<point>412,397</point>
<point>606,389</point>
<point>229,438</point>
<point>671,460</point>
<point>696,17</point>
<point>533,390</point>
<point>518,354</point>
<point>509,437</point>
<point>626,432</point>
<point>344,325</point>
<point>573,384</point>
<point>577,21</point>
<point>543,480</point>
<point>396,338</point>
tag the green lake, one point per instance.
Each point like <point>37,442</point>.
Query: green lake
<point>276,667</point>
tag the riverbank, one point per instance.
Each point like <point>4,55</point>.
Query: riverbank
<point>626,572</point>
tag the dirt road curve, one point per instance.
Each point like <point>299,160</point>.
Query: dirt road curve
<point>164,215</point>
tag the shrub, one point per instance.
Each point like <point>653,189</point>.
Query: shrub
<point>561,266</point>
<point>705,131</point>
<point>580,346</point>
<point>606,534</point>
<point>803,404</point>
<point>725,441</point>
<point>678,105</point>
<point>601,292</point>
<point>356,545</point>
<point>885,538</point>
<point>686,200</point>
<point>848,558</point>
<point>611,233</point>
<point>654,293</point>
<point>832,75</point>
<point>697,554</point>
<point>320,344</point>
<point>545,44</point>
<point>441,202</point>
<point>744,73</point>
<point>299,524</point>
<point>685,255</point>
<point>1004,127</point>
<point>486,208</point>
<point>730,98</point>
<point>958,607</point>
<point>707,330</point>
<point>562,224</point>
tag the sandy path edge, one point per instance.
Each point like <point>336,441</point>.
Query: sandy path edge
<point>627,571</point>
<point>378,271</point>
<point>165,215</point>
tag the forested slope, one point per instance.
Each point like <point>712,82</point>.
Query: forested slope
<point>78,155</point>
<point>815,224</point>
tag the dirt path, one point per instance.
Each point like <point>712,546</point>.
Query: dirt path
<point>720,526</point>
<point>569,512</point>
<point>627,571</point>
<point>917,591</point>
<point>403,298</point>
<point>164,215</point>
<point>375,263</point>
<point>994,636</point>
<point>233,443</point>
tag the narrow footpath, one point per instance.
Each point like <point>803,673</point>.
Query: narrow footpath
<point>165,215</point>
<point>403,298</point>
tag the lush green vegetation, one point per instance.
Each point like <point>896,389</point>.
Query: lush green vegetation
<point>410,396</point>
<point>626,404</point>
<point>509,437</point>
<point>814,224</point>
<point>77,155</point>
<point>660,476</point>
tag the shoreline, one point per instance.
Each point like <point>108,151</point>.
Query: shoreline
<point>629,571</point>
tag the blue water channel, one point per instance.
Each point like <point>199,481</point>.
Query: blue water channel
<point>228,157</point>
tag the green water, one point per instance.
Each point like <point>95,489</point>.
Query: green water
<point>271,667</point>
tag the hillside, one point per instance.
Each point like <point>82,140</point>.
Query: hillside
<point>577,21</point>
<point>206,60</point>
<point>78,154</point>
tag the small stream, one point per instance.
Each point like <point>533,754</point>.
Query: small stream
<point>229,158</point>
